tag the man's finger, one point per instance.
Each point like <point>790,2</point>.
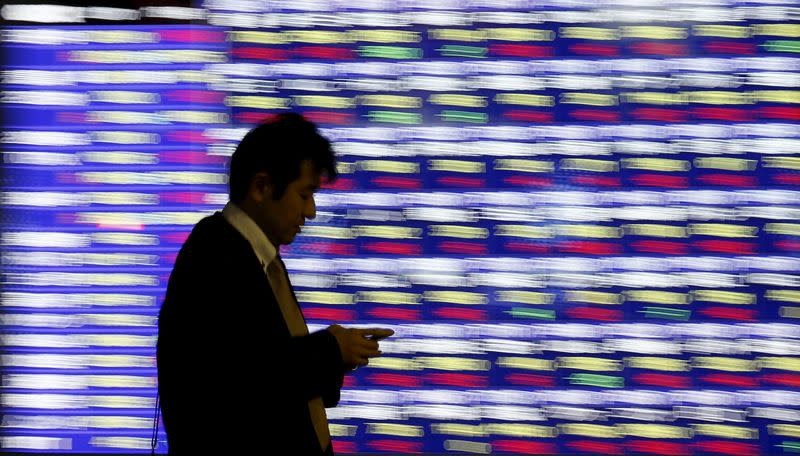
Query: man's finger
<point>378,333</point>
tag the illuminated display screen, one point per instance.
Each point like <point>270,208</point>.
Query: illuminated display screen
<point>581,218</point>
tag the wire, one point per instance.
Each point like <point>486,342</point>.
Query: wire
<point>154,438</point>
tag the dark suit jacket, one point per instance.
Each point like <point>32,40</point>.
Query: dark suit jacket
<point>231,378</point>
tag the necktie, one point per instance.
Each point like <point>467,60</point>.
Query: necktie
<point>297,327</point>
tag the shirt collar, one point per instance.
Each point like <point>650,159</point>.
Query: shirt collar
<point>245,225</point>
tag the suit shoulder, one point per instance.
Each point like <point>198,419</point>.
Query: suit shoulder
<point>212,236</point>
<point>214,230</point>
<point>211,224</point>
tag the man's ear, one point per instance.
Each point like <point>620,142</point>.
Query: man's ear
<point>260,187</point>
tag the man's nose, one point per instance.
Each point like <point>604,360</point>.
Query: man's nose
<point>310,211</point>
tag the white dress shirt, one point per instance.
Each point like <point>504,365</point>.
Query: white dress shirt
<point>262,246</point>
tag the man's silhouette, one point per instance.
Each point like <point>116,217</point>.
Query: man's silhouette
<point>238,371</point>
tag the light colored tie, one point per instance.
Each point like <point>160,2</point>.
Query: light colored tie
<point>297,327</point>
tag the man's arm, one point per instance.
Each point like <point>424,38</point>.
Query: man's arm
<point>311,365</point>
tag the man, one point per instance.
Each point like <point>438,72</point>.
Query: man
<point>238,371</point>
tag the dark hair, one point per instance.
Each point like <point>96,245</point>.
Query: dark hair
<point>279,147</point>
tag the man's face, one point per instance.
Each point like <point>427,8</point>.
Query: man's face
<point>281,220</point>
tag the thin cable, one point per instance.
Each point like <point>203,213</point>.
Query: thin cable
<point>154,438</point>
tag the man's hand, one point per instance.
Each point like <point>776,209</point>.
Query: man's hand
<point>358,345</point>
